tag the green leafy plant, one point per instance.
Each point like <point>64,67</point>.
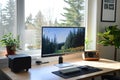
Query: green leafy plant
<point>10,40</point>
<point>111,37</point>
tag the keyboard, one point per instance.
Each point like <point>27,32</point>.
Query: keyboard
<point>70,70</point>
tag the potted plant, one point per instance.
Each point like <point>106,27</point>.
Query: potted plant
<point>10,42</point>
<point>111,37</point>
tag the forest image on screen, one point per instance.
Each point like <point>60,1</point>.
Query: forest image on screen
<point>62,40</point>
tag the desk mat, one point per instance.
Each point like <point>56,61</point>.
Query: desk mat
<point>83,71</point>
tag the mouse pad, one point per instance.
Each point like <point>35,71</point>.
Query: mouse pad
<point>83,70</point>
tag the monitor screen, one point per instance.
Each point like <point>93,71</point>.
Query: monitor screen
<point>62,40</point>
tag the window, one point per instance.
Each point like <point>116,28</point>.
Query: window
<point>7,16</point>
<point>36,13</point>
<point>50,12</point>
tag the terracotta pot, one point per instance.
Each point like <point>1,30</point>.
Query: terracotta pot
<point>11,50</point>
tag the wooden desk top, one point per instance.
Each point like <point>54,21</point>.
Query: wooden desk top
<point>43,72</point>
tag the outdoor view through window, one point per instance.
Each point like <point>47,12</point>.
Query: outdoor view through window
<point>7,17</point>
<point>40,13</point>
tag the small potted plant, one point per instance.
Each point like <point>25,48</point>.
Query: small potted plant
<point>110,37</point>
<point>10,42</point>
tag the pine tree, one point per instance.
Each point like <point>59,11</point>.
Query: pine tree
<point>29,22</point>
<point>39,20</point>
<point>8,16</point>
<point>74,13</point>
<point>68,42</point>
<point>56,23</point>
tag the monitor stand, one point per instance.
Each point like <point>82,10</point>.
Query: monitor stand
<point>62,64</point>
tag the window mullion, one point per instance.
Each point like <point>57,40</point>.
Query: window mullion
<point>21,21</point>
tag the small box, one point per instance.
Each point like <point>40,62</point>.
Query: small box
<point>91,55</point>
<point>19,62</point>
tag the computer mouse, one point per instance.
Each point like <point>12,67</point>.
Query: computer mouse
<point>38,62</point>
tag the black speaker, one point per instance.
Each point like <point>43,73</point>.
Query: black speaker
<point>60,60</point>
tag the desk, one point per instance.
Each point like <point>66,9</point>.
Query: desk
<point>107,65</point>
<point>43,72</point>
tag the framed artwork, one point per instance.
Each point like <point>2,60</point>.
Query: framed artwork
<point>108,10</point>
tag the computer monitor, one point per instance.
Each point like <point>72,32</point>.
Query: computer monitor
<point>57,41</point>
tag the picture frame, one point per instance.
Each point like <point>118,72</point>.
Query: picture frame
<point>108,10</point>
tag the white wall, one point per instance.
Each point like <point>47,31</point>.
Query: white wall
<point>107,52</point>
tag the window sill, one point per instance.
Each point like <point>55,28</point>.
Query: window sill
<point>32,53</point>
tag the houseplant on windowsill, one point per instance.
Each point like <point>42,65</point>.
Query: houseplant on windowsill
<point>111,37</point>
<point>10,42</point>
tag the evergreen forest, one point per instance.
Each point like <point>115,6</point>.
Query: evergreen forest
<point>74,42</point>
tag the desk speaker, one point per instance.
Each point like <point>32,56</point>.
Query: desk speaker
<point>91,55</point>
